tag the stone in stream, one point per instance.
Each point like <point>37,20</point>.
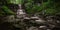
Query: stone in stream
<point>40,21</point>
<point>10,18</point>
<point>35,18</point>
<point>27,18</point>
<point>33,28</point>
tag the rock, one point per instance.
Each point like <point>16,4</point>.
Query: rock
<point>33,28</point>
<point>11,18</point>
<point>27,18</point>
<point>40,21</point>
<point>42,27</point>
<point>35,18</point>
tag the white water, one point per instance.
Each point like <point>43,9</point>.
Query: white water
<point>20,12</point>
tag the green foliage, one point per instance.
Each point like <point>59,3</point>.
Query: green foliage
<point>50,11</point>
<point>7,10</point>
<point>34,6</point>
<point>49,7</point>
<point>31,8</point>
<point>16,1</point>
<point>4,10</point>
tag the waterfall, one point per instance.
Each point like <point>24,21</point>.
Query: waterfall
<point>20,12</point>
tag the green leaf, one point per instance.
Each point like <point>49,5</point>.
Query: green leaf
<point>7,10</point>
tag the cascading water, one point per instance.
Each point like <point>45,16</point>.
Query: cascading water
<point>20,12</point>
